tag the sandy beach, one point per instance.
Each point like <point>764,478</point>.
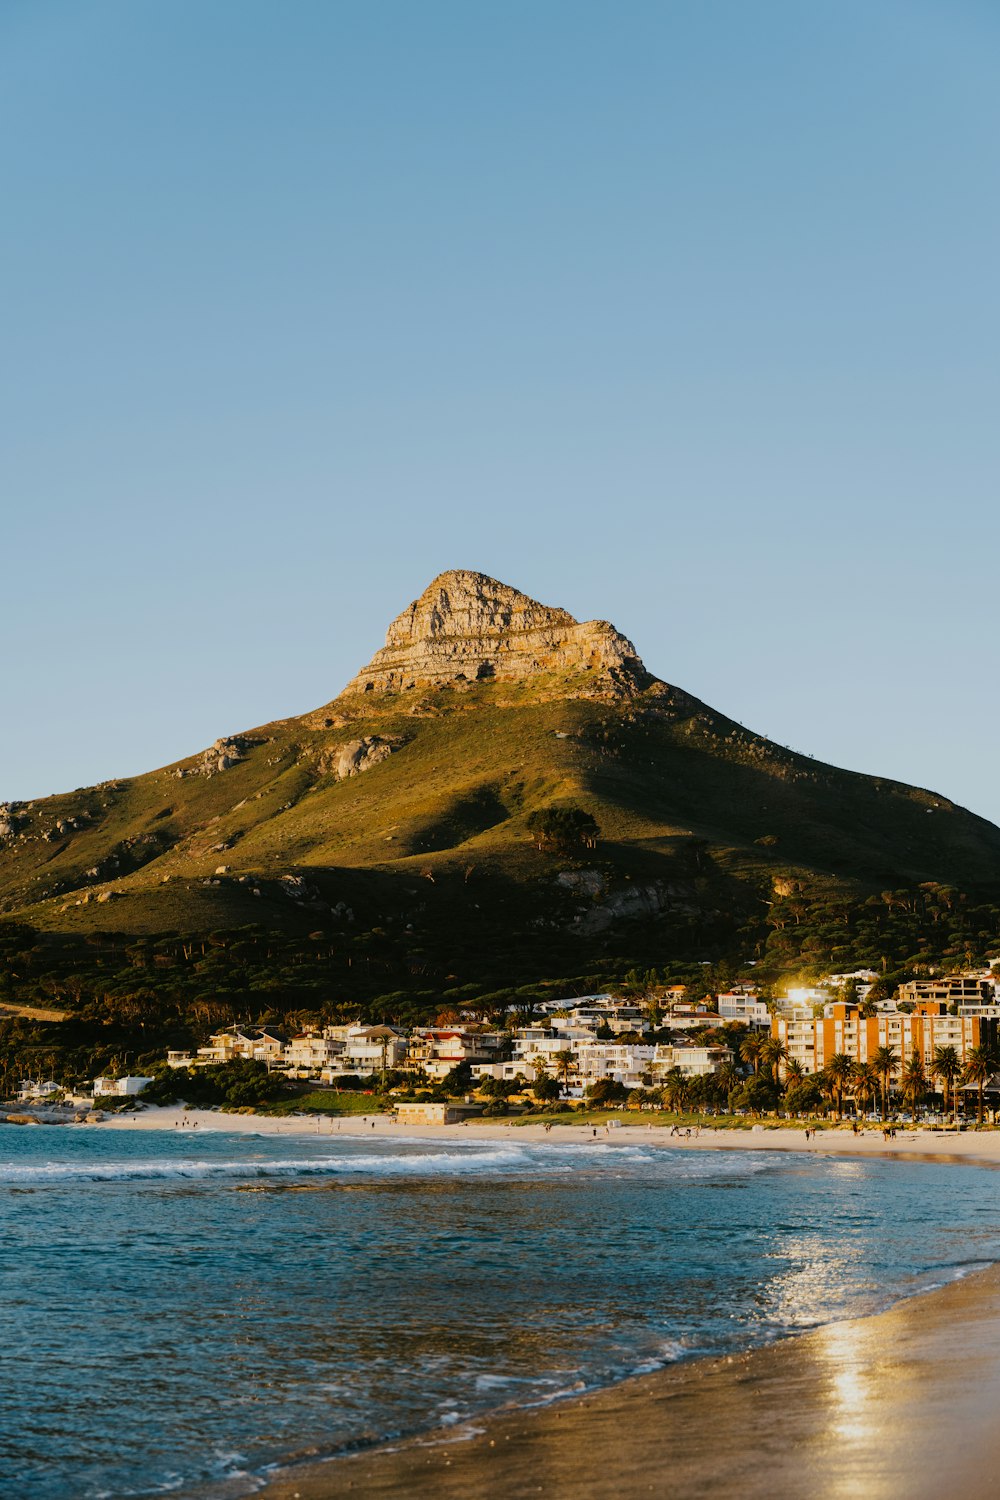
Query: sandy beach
<point>901,1404</point>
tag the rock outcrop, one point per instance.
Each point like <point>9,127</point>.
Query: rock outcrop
<point>225,753</point>
<point>468,628</point>
<point>358,756</point>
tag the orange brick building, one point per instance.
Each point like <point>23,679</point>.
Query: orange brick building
<point>813,1040</point>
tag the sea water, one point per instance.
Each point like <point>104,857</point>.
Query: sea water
<point>182,1309</point>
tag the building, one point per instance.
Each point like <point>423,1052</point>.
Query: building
<point>950,989</point>
<point>307,1053</point>
<point>363,1050</point>
<point>741,1005</point>
<point>420,1112</point>
<point>38,1091</point>
<point>119,1088</point>
<point>813,1040</point>
<point>692,1060</point>
<point>436,1051</point>
<point>261,1044</point>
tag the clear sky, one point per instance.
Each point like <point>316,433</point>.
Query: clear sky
<point>683,315</point>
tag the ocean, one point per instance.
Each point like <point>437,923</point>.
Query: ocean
<point>182,1310</point>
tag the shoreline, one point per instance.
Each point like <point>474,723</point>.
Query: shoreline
<point>900,1402</point>
<point>971,1147</point>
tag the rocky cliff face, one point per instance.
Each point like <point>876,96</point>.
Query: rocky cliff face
<point>467,628</point>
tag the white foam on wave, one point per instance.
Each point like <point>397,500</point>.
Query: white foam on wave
<point>468,1159</point>
<point>426,1164</point>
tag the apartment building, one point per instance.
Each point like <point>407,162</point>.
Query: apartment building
<point>950,989</point>
<point>813,1040</point>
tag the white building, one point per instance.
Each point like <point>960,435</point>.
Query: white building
<point>119,1088</point>
<point>259,1044</point>
<point>739,1005</point>
<point>31,1090</point>
<point>363,1049</point>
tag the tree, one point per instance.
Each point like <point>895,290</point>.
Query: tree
<point>758,1095</point>
<point>563,828</point>
<point>458,1080</point>
<point>546,1089</point>
<point>804,1096</point>
<point>865,1083</point>
<point>838,1071</point>
<point>946,1065</point>
<point>794,1073</point>
<point>980,1065</point>
<point>674,1089</point>
<point>884,1060</point>
<point>750,1049</point>
<point>914,1083</point>
<point>565,1062</point>
<point>773,1053</point>
<point>849,991</point>
<point>607,1091</point>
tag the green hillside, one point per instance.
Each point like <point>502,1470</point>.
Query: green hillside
<point>255,879</point>
<point>688,803</point>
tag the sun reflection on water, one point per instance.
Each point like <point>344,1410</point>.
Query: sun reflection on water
<point>850,1387</point>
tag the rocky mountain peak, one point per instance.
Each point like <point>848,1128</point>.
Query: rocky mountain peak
<point>467,627</point>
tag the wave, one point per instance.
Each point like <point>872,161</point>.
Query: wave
<point>527,1159</point>
<point>443,1163</point>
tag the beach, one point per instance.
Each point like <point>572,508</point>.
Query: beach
<point>969,1146</point>
<point>903,1403</point>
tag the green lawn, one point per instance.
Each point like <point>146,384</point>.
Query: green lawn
<point>328,1102</point>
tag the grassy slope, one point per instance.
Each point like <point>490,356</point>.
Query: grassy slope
<point>660,775</point>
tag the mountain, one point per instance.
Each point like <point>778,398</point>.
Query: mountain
<point>394,822</point>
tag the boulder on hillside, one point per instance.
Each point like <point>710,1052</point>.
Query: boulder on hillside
<point>358,756</point>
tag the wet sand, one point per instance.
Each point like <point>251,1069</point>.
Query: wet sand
<point>901,1404</point>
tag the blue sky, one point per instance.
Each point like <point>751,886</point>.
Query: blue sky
<point>683,315</point>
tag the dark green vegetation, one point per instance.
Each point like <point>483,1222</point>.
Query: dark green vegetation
<point>272,890</point>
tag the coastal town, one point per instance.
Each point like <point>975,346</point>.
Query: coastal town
<point>810,1048</point>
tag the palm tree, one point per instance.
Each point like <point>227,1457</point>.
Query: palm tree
<point>980,1065</point>
<point>674,1088</point>
<point>774,1052</point>
<point>839,1070</point>
<point>865,1082</point>
<point>946,1065</point>
<point>883,1059</point>
<point>826,1085</point>
<point>751,1048</point>
<point>728,1078</point>
<point>914,1081</point>
<point>564,1061</point>
<point>794,1072</point>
